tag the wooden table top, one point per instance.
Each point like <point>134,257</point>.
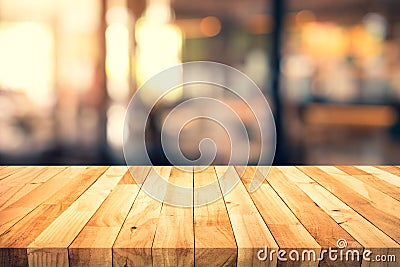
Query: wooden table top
<point>99,216</point>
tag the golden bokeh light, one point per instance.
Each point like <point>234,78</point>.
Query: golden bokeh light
<point>210,26</point>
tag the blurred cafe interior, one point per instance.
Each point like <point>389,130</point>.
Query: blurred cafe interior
<point>330,71</point>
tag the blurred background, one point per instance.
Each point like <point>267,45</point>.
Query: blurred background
<point>329,69</point>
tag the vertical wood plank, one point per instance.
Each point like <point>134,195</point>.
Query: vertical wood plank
<point>173,243</point>
<point>251,233</point>
<point>212,220</point>
<point>285,227</point>
<point>322,227</point>
<point>134,242</point>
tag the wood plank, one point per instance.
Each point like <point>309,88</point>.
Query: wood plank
<point>19,191</point>
<point>286,229</point>
<point>362,230</point>
<point>23,206</point>
<point>134,242</point>
<point>378,199</point>
<point>212,220</point>
<point>55,239</point>
<point>9,170</point>
<point>125,226</point>
<point>10,185</point>
<point>58,197</point>
<point>22,176</point>
<point>391,169</point>
<point>371,210</point>
<point>251,233</point>
<point>173,243</point>
<point>12,214</point>
<point>93,245</point>
<point>386,176</point>
<point>136,175</point>
<point>372,180</point>
<point>322,227</point>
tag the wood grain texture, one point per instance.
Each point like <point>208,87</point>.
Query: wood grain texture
<point>286,229</point>
<point>54,240</point>
<point>11,185</point>
<point>368,235</point>
<point>382,174</point>
<point>212,220</point>
<point>320,225</point>
<point>8,170</point>
<point>377,198</point>
<point>391,169</point>
<point>102,216</point>
<point>20,190</point>
<point>251,233</point>
<point>19,230</point>
<point>372,180</point>
<point>173,243</point>
<point>23,206</point>
<point>93,245</point>
<point>134,242</point>
<point>365,206</point>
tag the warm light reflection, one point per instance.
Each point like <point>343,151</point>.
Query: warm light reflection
<point>199,27</point>
<point>324,40</point>
<point>117,61</point>
<point>27,59</point>
<point>159,11</point>
<point>362,43</point>
<point>210,26</point>
<point>330,40</point>
<point>158,47</point>
<point>115,125</point>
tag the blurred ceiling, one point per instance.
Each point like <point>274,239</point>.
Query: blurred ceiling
<point>347,11</point>
<point>342,11</point>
